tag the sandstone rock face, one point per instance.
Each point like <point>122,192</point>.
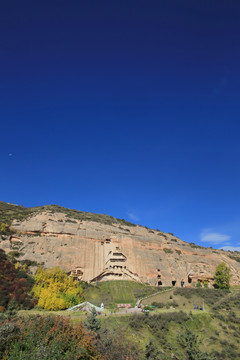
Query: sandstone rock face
<point>93,251</point>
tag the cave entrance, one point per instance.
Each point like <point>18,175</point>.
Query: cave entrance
<point>173,282</point>
<point>159,283</point>
<point>189,280</point>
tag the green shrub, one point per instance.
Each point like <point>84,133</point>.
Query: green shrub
<point>158,305</point>
<point>168,251</point>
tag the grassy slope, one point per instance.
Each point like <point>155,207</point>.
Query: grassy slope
<point>117,292</point>
<point>209,299</point>
<point>218,330</point>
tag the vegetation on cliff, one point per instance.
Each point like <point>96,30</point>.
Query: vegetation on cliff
<point>10,212</point>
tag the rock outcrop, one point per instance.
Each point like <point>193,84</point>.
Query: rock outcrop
<point>95,251</point>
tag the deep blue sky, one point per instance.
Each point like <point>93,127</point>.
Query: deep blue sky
<point>129,108</point>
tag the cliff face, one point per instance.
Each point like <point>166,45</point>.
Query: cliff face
<point>93,251</point>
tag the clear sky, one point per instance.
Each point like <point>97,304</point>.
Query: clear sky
<point>128,108</point>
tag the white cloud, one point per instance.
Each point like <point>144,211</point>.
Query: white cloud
<point>214,237</point>
<point>231,248</point>
<point>133,217</point>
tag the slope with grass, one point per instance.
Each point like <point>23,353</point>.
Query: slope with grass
<point>167,334</point>
<point>185,299</point>
<point>116,292</point>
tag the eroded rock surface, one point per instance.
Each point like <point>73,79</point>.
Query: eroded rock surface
<point>93,251</point>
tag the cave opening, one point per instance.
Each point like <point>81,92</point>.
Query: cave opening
<point>173,282</point>
<point>159,283</point>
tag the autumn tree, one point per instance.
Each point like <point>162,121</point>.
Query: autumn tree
<point>222,277</point>
<point>45,337</point>
<point>15,284</point>
<point>4,229</point>
<point>55,290</point>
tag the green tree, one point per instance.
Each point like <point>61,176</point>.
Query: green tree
<point>92,322</point>
<point>222,277</point>
<point>191,345</point>
<point>151,352</point>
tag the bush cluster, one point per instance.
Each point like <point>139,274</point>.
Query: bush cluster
<point>158,322</point>
<point>15,284</point>
<point>166,305</point>
<point>210,296</point>
<point>40,337</point>
<point>168,251</point>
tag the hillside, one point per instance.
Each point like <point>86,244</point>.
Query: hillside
<point>175,331</point>
<point>95,247</point>
<point>10,212</point>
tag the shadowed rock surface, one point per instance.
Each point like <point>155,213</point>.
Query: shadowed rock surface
<point>95,247</point>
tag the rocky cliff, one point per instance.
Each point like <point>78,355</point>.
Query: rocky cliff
<point>96,247</point>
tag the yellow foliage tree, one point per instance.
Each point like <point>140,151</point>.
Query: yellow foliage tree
<point>55,290</point>
<point>4,229</point>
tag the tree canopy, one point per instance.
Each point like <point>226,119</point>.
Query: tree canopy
<point>15,284</point>
<point>55,290</point>
<point>222,277</point>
